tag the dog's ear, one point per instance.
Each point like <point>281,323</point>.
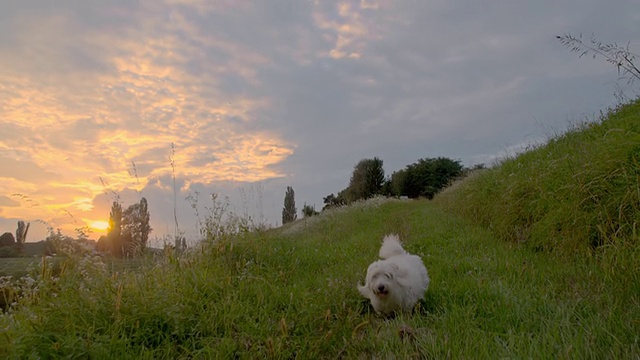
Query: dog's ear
<point>397,272</point>
<point>365,291</point>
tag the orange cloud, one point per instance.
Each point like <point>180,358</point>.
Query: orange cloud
<point>69,129</point>
<point>351,31</point>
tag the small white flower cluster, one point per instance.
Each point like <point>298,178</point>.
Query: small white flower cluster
<point>69,247</point>
<point>246,269</point>
<point>91,265</point>
<point>23,289</point>
<point>335,283</point>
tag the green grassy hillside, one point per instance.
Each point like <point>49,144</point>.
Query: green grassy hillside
<point>291,292</point>
<point>578,192</point>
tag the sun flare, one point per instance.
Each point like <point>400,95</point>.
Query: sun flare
<point>99,225</point>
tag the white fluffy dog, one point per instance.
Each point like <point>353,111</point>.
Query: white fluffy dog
<point>398,281</point>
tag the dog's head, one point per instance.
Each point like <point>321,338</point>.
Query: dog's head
<point>381,281</point>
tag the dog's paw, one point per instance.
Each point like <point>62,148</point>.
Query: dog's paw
<point>364,291</point>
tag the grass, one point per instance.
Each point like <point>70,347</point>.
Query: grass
<point>23,266</point>
<point>576,193</point>
<point>17,267</point>
<point>291,292</point>
<point>535,258</point>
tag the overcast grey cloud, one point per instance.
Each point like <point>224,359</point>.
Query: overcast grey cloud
<point>244,98</point>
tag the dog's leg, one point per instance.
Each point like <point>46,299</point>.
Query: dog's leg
<point>365,291</point>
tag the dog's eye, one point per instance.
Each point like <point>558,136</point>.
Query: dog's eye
<point>388,275</point>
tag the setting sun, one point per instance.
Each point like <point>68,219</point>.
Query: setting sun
<point>99,225</point>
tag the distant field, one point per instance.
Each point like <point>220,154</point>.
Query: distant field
<point>17,267</point>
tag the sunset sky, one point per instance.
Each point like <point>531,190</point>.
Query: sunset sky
<point>108,100</point>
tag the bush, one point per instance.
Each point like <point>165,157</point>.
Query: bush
<point>7,239</point>
<point>425,178</point>
<point>9,251</point>
<point>309,210</point>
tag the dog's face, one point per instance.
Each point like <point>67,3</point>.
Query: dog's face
<point>381,280</point>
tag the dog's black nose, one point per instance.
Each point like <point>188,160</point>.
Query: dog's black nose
<point>381,288</point>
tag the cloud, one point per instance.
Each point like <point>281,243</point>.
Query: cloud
<point>26,171</point>
<point>8,202</point>
<point>89,102</point>
<point>120,98</point>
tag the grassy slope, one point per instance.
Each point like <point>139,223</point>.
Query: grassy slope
<point>578,192</point>
<point>291,292</point>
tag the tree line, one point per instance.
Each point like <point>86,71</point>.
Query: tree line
<point>128,231</point>
<point>11,246</point>
<point>424,178</point>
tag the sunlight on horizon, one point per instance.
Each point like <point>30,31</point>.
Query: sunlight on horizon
<point>99,225</point>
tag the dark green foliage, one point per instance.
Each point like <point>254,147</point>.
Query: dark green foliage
<point>56,243</point>
<point>289,211</point>
<point>135,228</point>
<point>7,239</point>
<point>9,251</point>
<point>366,180</point>
<point>128,230</point>
<point>115,229</point>
<point>21,232</point>
<point>426,177</point>
<point>397,182</point>
<point>331,201</point>
<point>309,210</point>
<point>103,244</point>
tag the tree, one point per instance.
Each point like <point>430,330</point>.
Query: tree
<point>7,239</point>
<point>397,181</point>
<point>114,238</point>
<point>21,235</point>
<point>289,211</point>
<point>103,244</point>
<point>309,210</point>
<point>135,228</point>
<point>333,201</point>
<point>58,243</point>
<point>21,232</point>
<point>366,180</point>
<point>426,177</point>
<point>374,177</point>
<point>8,246</point>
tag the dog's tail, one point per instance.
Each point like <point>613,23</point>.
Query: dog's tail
<point>391,247</point>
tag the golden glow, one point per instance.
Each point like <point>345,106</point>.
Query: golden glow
<point>99,225</point>
<point>79,133</point>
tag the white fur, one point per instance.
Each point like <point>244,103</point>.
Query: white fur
<point>397,281</point>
